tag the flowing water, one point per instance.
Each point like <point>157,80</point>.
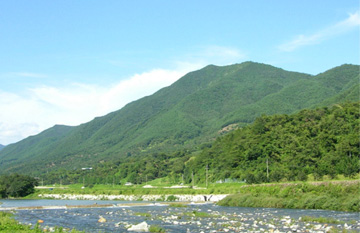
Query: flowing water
<point>208,217</point>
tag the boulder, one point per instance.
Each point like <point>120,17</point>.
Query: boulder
<point>101,219</point>
<point>141,227</point>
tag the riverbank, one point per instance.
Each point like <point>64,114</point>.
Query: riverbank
<point>175,197</point>
<point>339,196</point>
<point>342,195</point>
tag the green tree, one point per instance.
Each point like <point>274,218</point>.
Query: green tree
<point>16,185</point>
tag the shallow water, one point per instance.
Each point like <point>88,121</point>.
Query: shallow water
<point>180,219</point>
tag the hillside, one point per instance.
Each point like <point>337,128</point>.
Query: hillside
<point>311,143</point>
<point>322,141</point>
<point>182,116</point>
<point>28,147</point>
<point>1,147</point>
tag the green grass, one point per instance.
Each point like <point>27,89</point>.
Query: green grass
<point>320,220</point>
<point>156,228</point>
<point>139,190</point>
<point>177,205</point>
<point>198,214</point>
<point>341,197</point>
<point>9,225</point>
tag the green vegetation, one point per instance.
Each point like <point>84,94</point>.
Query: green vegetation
<point>156,228</point>
<point>16,185</point>
<point>320,220</point>
<point>198,214</point>
<point>10,225</point>
<point>341,197</point>
<point>178,119</point>
<point>309,144</point>
<point>177,205</point>
<point>137,190</point>
<point>323,141</point>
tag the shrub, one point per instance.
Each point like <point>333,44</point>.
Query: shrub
<point>156,228</point>
<point>171,198</point>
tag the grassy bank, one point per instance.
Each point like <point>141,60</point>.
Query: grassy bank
<point>9,225</point>
<point>139,190</point>
<point>342,196</point>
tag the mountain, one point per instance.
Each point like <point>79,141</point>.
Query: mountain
<point>184,115</point>
<point>1,147</point>
<point>321,141</point>
<point>29,147</point>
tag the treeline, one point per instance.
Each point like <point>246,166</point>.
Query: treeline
<point>319,142</point>
<point>16,185</point>
<point>323,141</point>
<point>134,169</point>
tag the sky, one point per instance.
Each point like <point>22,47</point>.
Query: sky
<point>68,61</point>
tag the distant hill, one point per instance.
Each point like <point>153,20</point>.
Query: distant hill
<point>1,147</point>
<point>193,110</point>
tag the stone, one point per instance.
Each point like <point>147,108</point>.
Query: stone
<point>141,227</point>
<point>101,219</point>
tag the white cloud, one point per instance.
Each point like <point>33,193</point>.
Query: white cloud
<point>352,22</point>
<point>45,106</point>
<point>30,75</point>
<point>42,107</point>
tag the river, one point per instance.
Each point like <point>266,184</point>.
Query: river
<point>193,217</point>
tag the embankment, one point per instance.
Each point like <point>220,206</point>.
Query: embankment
<point>175,197</point>
<point>340,196</point>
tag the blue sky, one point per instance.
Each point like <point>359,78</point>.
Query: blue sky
<point>66,61</point>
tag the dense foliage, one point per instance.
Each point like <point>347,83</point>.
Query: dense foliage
<point>340,197</point>
<point>317,142</point>
<point>324,141</point>
<point>16,185</point>
<point>182,116</point>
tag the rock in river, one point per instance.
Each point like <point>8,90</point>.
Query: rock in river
<point>141,227</point>
<point>101,219</point>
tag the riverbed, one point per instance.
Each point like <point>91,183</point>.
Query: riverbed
<point>192,217</point>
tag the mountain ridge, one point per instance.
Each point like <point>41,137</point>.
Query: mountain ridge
<point>186,114</point>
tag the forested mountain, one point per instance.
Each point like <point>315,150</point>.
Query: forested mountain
<point>1,147</point>
<point>281,147</point>
<point>323,141</point>
<point>195,109</point>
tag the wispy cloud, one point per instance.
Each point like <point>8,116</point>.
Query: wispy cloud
<point>351,23</point>
<point>30,75</point>
<point>42,107</point>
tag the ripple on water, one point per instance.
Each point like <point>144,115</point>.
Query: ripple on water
<point>193,218</point>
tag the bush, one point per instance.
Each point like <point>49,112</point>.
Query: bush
<point>171,198</point>
<point>156,228</point>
